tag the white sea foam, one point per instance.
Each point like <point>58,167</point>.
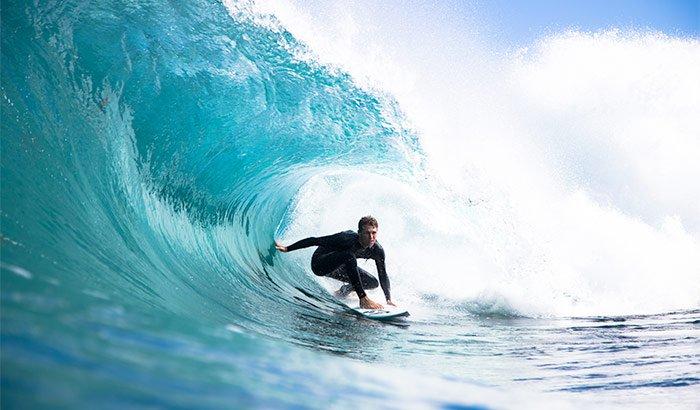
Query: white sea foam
<point>562,176</point>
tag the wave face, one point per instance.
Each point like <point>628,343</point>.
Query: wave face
<point>151,152</point>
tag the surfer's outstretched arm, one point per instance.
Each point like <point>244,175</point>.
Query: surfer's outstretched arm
<point>339,240</point>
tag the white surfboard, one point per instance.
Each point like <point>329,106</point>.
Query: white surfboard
<point>381,314</point>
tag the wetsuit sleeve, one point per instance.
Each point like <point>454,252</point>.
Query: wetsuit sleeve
<point>381,272</point>
<point>335,241</point>
<point>304,243</point>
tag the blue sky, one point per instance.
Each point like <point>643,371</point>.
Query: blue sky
<point>510,23</point>
<point>521,21</point>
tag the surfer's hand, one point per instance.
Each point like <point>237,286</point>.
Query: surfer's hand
<point>390,303</point>
<point>280,248</point>
<point>367,303</point>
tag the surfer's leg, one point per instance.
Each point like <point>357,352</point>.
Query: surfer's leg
<point>341,266</point>
<point>333,266</point>
<point>327,263</point>
<point>368,281</point>
<point>341,275</point>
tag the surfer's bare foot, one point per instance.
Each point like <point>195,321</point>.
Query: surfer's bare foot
<point>367,303</point>
<point>344,291</point>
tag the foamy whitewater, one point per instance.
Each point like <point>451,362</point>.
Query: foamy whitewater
<point>538,207</point>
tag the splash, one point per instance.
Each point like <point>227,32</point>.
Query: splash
<point>559,177</point>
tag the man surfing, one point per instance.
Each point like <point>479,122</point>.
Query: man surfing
<point>336,257</point>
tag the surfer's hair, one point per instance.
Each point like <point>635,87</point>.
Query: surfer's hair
<point>367,220</point>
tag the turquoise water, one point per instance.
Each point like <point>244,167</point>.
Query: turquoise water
<point>151,151</point>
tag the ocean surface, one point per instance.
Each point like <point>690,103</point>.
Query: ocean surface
<point>153,151</point>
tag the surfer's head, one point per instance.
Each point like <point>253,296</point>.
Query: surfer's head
<point>367,229</point>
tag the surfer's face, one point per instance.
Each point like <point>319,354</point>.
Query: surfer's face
<point>368,236</point>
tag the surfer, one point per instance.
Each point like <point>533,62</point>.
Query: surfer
<point>336,257</point>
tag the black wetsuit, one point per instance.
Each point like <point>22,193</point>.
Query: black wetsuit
<point>336,257</point>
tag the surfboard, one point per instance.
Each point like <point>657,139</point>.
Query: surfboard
<point>381,314</point>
